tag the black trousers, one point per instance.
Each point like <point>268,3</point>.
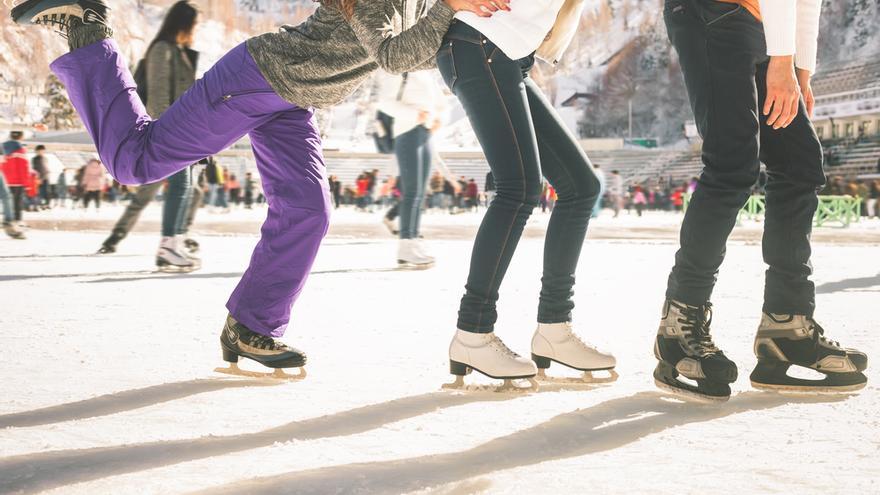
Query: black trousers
<point>723,58</point>
<point>18,196</point>
<point>522,137</point>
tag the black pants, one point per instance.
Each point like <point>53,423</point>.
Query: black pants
<point>18,196</point>
<point>90,196</point>
<point>521,136</point>
<point>723,57</point>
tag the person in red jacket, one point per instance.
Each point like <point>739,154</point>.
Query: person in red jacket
<point>16,170</point>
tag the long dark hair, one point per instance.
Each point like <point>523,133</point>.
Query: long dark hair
<point>181,18</point>
<point>344,6</point>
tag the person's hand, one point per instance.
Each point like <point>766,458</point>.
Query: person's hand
<point>436,126</point>
<point>783,93</point>
<point>422,118</point>
<point>483,8</point>
<point>803,77</point>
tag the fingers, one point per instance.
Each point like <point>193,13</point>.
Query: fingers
<point>783,109</point>
<point>809,101</point>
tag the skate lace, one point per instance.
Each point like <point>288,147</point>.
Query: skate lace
<point>819,335</point>
<point>59,22</point>
<point>502,347</point>
<point>696,323</point>
<point>265,342</point>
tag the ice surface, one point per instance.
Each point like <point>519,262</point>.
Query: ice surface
<point>107,384</point>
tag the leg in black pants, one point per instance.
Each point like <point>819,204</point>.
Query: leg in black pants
<point>17,201</point>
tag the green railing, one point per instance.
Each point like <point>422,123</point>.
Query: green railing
<point>842,210</point>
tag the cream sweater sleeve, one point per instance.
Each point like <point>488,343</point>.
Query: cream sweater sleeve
<point>791,27</point>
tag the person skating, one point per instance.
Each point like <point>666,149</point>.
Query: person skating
<point>266,87</point>
<point>485,63</point>
<point>747,69</point>
<point>8,214</point>
<point>169,69</point>
<point>93,180</point>
<point>41,168</point>
<point>17,172</point>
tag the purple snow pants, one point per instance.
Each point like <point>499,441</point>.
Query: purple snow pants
<point>231,100</point>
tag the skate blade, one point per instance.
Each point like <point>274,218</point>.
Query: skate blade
<point>808,390</point>
<point>588,378</point>
<point>403,265</point>
<point>689,396</point>
<point>176,269</point>
<point>509,386</point>
<point>278,374</point>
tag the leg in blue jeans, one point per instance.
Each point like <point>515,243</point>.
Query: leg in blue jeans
<point>413,152</point>
<point>176,201</point>
<point>516,127</point>
<point>6,200</point>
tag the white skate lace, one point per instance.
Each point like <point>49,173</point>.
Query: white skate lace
<point>264,342</point>
<point>819,334</point>
<point>498,345</point>
<point>577,338</point>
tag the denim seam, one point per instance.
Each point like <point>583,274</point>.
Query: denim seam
<point>522,175</point>
<point>723,16</point>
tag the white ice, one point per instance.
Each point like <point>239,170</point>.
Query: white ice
<point>107,384</point>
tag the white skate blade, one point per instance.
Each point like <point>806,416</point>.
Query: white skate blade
<point>808,390</point>
<point>278,374</point>
<point>405,265</point>
<point>176,269</point>
<point>588,378</point>
<point>509,385</point>
<point>689,396</point>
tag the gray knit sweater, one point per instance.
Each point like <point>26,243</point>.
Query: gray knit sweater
<point>324,59</point>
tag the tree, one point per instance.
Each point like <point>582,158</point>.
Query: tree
<point>60,114</point>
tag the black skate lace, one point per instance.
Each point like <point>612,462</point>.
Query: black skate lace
<point>265,342</point>
<point>697,321</point>
<point>59,22</point>
<point>819,334</point>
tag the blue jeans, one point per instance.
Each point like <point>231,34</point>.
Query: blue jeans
<point>176,206</point>
<point>414,155</point>
<point>6,199</point>
<point>522,136</point>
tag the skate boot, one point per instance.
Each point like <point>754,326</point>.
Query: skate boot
<point>109,245</point>
<point>785,340</point>
<point>391,225</point>
<point>685,350</point>
<point>557,342</point>
<point>59,14</point>
<point>12,231</point>
<point>409,257</point>
<point>237,341</point>
<point>423,250</point>
<point>180,243</point>
<point>170,259</point>
<point>191,245</point>
<point>486,353</point>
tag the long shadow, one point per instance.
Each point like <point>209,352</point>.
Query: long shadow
<point>13,278</point>
<point>607,426</point>
<point>849,283</point>
<point>154,275</point>
<point>122,401</point>
<point>53,256</point>
<point>43,471</point>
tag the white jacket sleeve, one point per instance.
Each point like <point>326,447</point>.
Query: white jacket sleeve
<point>791,27</point>
<point>808,12</point>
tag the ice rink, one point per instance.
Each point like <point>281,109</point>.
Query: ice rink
<point>107,382</point>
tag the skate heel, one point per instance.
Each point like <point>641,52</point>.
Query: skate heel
<point>459,369</point>
<point>542,362</point>
<point>229,356</point>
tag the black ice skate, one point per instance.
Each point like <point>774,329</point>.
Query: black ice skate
<point>109,244</point>
<point>60,14</point>
<point>685,349</point>
<point>237,341</point>
<point>784,341</point>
